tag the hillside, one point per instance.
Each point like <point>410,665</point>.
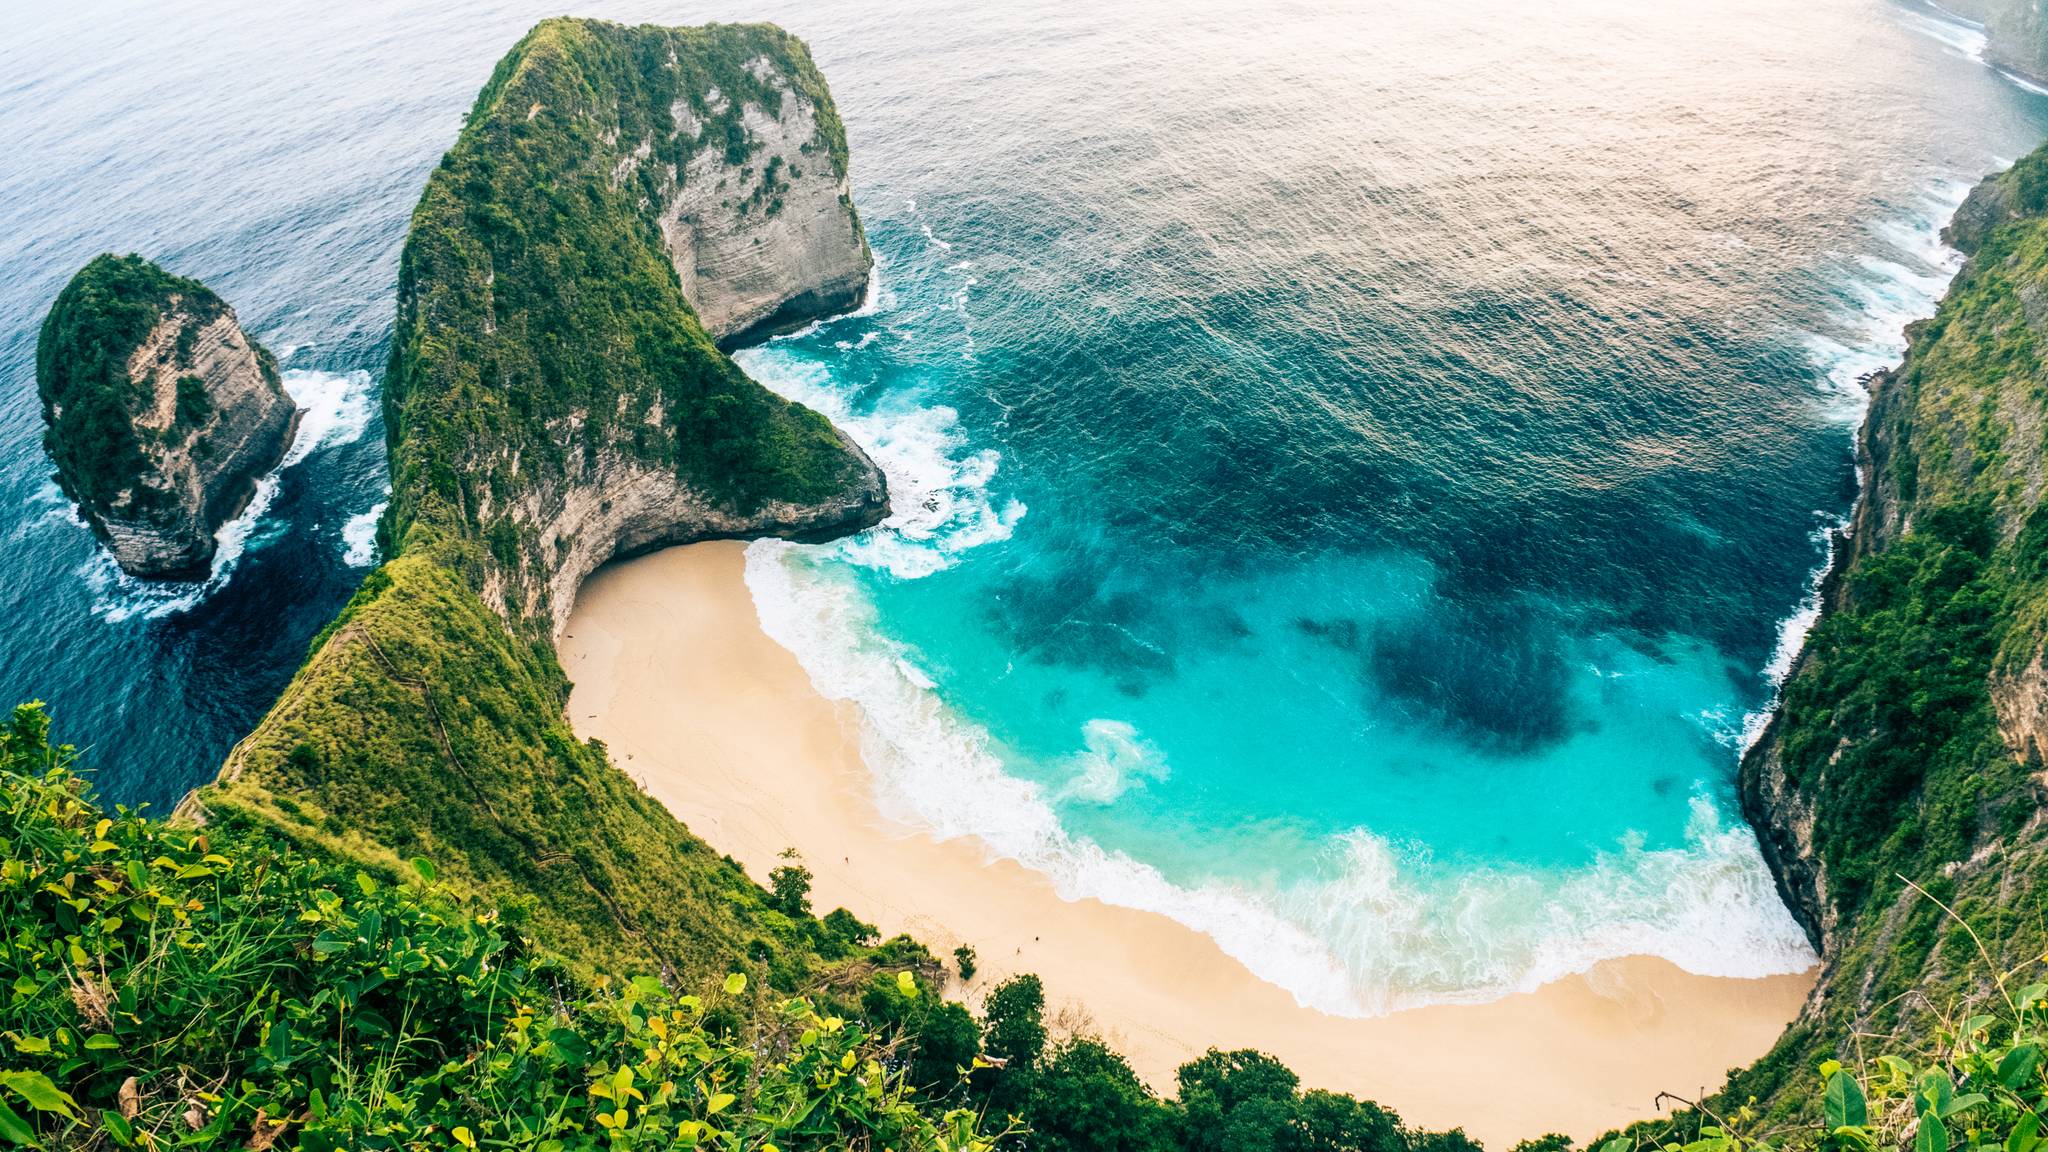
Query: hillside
<point>1898,793</point>
<point>553,403</point>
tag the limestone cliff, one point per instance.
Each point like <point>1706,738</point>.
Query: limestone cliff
<point>766,241</point>
<point>162,414</point>
<point>554,401</point>
<point>1899,779</point>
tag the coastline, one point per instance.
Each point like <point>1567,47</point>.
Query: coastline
<point>697,704</point>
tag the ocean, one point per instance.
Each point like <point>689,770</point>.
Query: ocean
<point>1359,469</point>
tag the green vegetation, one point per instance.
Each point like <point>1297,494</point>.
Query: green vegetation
<point>97,323</point>
<point>541,328</point>
<point>963,961</point>
<point>218,988</point>
<point>540,319</point>
<point>207,988</point>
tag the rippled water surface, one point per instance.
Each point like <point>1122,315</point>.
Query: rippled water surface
<point>1357,464</point>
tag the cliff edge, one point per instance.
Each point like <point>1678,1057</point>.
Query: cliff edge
<point>1900,778</point>
<point>556,399</point>
<point>161,413</point>
<point>2015,33</point>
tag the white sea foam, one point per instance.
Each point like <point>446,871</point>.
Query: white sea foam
<point>336,409</point>
<point>938,491</point>
<point>1114,759</point>
<point>1965,38</point>
<point>2022,82</point>
<point>359,536</point>
<point>1376,930</point>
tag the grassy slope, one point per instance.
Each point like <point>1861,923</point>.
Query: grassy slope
<point>538,319</point>
<point>169,987</point>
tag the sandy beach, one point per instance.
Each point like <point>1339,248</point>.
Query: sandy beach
<point>674,674</point>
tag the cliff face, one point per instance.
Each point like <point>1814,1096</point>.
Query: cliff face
<point>1903,764</point>
<point>769,241</point>
<point>2015,31</point>
<point>162,414</point>
<point>555,401</point>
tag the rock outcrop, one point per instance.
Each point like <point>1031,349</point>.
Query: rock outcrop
<point>766,240</point>
<point>162,414</point>
<point>557,377</point>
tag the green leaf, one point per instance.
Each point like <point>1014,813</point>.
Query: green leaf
<point>1961,1104</point>
<point>574,1049</point>
<point>1843,1102</point>
<point>117,1126</point>
<point>2019,1066</point>
<point>906,984</point>
<point>14,1129</point>
<point>278,1045</point>
<point>424,867</point>
<point>2022,1137</point>
<point>1931,1137</point>
<point>1936,1090</point>
<point>718,1103</point>
<point>735,983</point>
<point>101,1042</point>
<point>1618,1144</point>
<point>36,1088</point>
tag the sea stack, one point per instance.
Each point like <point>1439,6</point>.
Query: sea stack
<point>162,414</point>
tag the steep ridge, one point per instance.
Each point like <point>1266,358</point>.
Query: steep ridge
<point>553,402</point>
<point>162,413</point>
<point>1902,769</point>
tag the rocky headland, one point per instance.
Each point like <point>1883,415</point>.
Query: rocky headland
<point>161,413</point>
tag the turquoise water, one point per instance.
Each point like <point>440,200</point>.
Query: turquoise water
<point>1357,465</point>
<point>1363,524</point>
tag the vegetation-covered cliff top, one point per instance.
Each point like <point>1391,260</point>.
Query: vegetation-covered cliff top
<point>1898,791</point>
<point>544,351</point>
<point>541,321</point>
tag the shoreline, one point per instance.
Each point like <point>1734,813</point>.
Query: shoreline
<point>719,723</point>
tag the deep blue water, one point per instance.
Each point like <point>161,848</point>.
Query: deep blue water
<point>1356,463</point>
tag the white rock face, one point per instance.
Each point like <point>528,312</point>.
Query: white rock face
<point>201,471</point>
<point>771,243</point>
<point>621,507</point>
